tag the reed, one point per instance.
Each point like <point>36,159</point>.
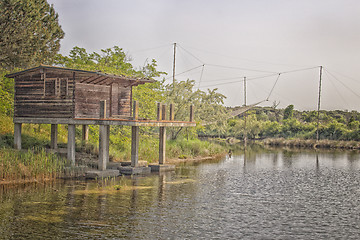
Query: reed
<point>32,165</point>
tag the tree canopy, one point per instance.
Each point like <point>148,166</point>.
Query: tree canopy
<point>30,33</point>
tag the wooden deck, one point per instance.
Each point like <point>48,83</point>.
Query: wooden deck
<point>107,122</point>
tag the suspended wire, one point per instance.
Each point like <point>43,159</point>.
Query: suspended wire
<point>191,54</point>
<point>298,70</point>
<point>153,48</point>
<point>336,89</point>
<point>232,78</point>
<point>272,89</point>
<point>245,59</point>
<point>202,71</point>
<point>240,80</point>
<point>246,69</point>
<point>292,71</point>
<point>184,72</point>
<point>342,83</point>
<point>353,79</point>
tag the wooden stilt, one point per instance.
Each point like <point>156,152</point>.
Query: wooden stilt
<point>54,136</point>
<point>71,144</point>
<point>17,136</point>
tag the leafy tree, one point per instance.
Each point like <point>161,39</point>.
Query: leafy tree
<point>6,94</point>
<point>209,109</point>
<point>30,33</point>
<point>288,112</point>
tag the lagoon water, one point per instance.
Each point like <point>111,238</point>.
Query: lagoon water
<point>260,194</point>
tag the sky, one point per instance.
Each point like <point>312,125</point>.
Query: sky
<point>219,42</point>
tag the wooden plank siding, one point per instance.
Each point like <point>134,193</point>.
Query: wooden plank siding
<point>88,97</point>
<point>55,92</point>
<point>32,101</point>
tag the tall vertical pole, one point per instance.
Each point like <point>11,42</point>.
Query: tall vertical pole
<point>174,65</point>
<point>245,115</point>
<point>318,110</point>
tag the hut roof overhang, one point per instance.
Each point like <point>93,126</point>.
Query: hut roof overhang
<point>83,76</point>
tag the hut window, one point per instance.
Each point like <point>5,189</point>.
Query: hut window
<point>50,87</point>
<point>63,87</point>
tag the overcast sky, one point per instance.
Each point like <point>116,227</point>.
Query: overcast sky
<point>271,36</point>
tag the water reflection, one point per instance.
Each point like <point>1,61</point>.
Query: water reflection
<point>253,193</point>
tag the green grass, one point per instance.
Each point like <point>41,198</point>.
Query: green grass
<point>30,165</point>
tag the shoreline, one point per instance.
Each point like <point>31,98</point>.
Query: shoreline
<point>311,143</point>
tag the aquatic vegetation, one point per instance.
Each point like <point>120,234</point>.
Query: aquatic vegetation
<point>30,165</point>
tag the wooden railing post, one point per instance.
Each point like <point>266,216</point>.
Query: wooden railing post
<point>159,111</point>
<point>192,116</point>
<point>171,112</point>
<point>163,112</point>
<point>135,110</point>
<point>103,109</point>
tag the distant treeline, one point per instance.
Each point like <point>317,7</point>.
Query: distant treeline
<point>270,122</point>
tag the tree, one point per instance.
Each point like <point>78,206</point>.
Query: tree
<point>288,112</point>
<point>30,33</point>
<point>208,105</point>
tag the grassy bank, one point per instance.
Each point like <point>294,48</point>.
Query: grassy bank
<point>31,165</point>
<point>311,143</point>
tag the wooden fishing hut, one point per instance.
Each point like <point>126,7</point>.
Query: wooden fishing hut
<point>55,95</point>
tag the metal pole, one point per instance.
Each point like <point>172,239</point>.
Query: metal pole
<point>245,115</point>
<point>318,110</point>
<point>174,65</point>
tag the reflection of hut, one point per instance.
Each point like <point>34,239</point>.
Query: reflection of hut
<point>54,95</point>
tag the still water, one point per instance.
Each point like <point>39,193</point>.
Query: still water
<point>260,194</point>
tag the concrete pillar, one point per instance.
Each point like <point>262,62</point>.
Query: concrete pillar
<point>134,146</point>
<point>162,145</point>
<point>54,136</point>
<point>71,143</point>
<point>17,136</point>
<point>85,133</point>
<point>103,147</point>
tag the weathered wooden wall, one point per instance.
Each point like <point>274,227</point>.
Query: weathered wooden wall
<point>87,100</point>
<point>88,97</point>
<point>53,99</point>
